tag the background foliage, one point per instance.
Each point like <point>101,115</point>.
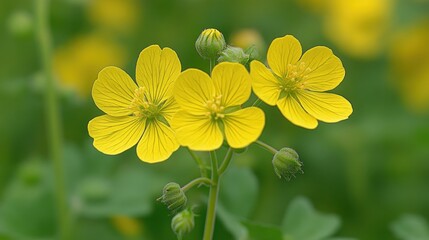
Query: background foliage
<point>365,178</point>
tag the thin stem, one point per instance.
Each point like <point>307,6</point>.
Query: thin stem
<point>212,63</point>
<point>225,162</point>
<point>256,102</point>
<point>53,119</point>
<point>213,194</point>
<point>197,181</point>
<point>266,147</point>
<point>199,162</point>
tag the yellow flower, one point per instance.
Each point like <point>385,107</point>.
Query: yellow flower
<point>210,108</point>
<point>296,84</point>
<point>410,65</point>
<point>358,27</point>
<point>137,113</point>
<point>128,226</point>
<point>77,63</point>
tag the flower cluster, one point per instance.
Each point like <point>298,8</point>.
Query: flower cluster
<point>167,107</point>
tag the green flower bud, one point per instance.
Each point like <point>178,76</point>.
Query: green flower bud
<point>233,54</point>
<point>183,223</point>
<point>286,163</point>
<point>253,53</point>
<point>210,43</point>
<point>173,197</point>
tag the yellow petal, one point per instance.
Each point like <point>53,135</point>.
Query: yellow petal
<point>326,107</point>
<point>293,111</point>
<point>193,89</point>
<point>244,126</point>
<point>113,91</point>
<point>282,52</point>
<point>325,69</point>
<point>156,71</point>
<point>169,108</point>
<point>199,133</point>
<point>113,135</point>
<point>264,83</point>
<point>232,81</point>
<point>158,143</point>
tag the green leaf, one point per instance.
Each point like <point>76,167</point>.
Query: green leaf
<point>131,191</point>
<point>303,222</point>
<point>232,223</point>
<point>27,208</point>
<point>263,232</point>
<point>239,191</point>
<point>411,227</point>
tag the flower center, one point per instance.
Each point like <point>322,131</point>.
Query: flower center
<point>214,108</point>
<point>142,107</point>
<point>294,79</point>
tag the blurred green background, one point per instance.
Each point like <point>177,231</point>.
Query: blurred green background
<point>371,171</point>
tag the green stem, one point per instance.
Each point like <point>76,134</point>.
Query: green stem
<point>266,147</point>
<point>212,64</point>
<point>225,162</point>
<point>199,162</point>
<point>213,194</point>
<point>197,181</point>
<point>53,119</point>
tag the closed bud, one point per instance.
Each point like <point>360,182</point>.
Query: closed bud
<point>210,43</point>
<point>286,163</point>
<point>183,223</point>
<point>233,54</point>
<point>173,197</point>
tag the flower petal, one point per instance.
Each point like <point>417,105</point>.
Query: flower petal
<point>158,143</point>
<point>233,82</point>
<point>326,70</point>
<point>264,83</point>
<point>244,126</point>
<point>199,133</point>
<point>169,108</point>
<point>157,70</point>
<point>326,107</point>
<point>113,91</point>
<point>282,52</point>
<point>293,111</point>
<point>193,89</point>
<point>113,135</point>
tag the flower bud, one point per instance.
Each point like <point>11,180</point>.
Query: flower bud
<point>286,163</point>
<point>173,197</point>
<point>183,223</point>
<point>210,43</point>
<point>233,54</point>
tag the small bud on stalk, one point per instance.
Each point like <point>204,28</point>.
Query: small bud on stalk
<point>173,197</point>
<point>210,43</point>
<point>286,163</point>
<point>233,54</point>
<point>183,223</point>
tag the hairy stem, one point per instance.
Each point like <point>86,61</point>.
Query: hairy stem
<point>53,119</point>
<point>266,147</point>
<point>197,181</point>
<point>199,162</point>
<point>213,195</point>
<point>225,162</point>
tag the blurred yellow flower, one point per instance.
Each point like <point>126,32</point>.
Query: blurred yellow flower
<point>210,108</point>
<point>410,65</point>
<point>116,15</point>
<point>77,63</point>
<point>137,113</point>
<point>358,27</point>
<point>296,84</point>
<point>246,38</point>
<point>127,226</point>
